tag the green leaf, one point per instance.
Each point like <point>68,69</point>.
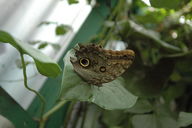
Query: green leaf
<point>151,17</point>
<point>185,119</point>
<point>110,96</point>
<point>151,81</point>
<point>169,4</point>
<point>175,76</point>
<point>61,29</point>
<point>42,45</point>
<point>173,92</point>
<point>153,121</point>
<point>47,23</point>
<point>45,65</point>
<point>155,36</point>
<point>142,106</point>
<point>160,118</point>
<point>72,1</point>
<point>7,38</point>
<point>113,118</point>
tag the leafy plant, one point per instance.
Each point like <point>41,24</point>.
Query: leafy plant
<point>154,93</point>
<point>160,75</point>
<point>60,30</point>
<point>110,96</point>
<point>45,65</point>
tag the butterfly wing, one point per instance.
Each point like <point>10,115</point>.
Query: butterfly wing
<point>103,65</point>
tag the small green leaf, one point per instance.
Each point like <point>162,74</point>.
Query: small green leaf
<point>175,76</point>
<point>42,45</point>
<point>160,118</point>
<point>7,38</point>
<point>47,23</point>
<point>144,121</point>
<point>72,1</point>
<point>34,42</point>
<point>153,121</point>
<point>110,96</point>
<point>173,92</point>
<point>113,118</point>
<point>61,29</point>
<point>142,106</point>
<point>45,65</point>
<point>185,119</point>
<point>169,4</point>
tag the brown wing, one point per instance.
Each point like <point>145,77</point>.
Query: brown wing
<point>106,65</point>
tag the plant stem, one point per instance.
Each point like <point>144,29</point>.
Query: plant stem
<point>69,112</point>
<point>84,115</point>
<point>179,54</point>
<point>30,89</point>
<point>50,112</point>
<point>74,116</point>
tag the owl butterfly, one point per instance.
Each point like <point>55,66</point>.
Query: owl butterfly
<point>97,65</point>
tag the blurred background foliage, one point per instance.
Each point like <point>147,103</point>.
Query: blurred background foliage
<point>161,36</point>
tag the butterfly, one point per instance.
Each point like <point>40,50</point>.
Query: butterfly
<point>97,65</point>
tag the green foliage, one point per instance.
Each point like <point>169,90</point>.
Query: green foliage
<point>47,23</point>
<point>62,29</point>
<point>45,65</point>
<point>153,121</point>
<point>142,106</point>
<point>44,44</point>
<point>170,4</point>
<point>156,91</point>
<point>114,118</point>
<point>110,96</point>
<point>72,1</point>
<point>161,73</point>
<point>185,119</point>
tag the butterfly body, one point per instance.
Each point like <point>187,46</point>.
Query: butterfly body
<point>97,65</point>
